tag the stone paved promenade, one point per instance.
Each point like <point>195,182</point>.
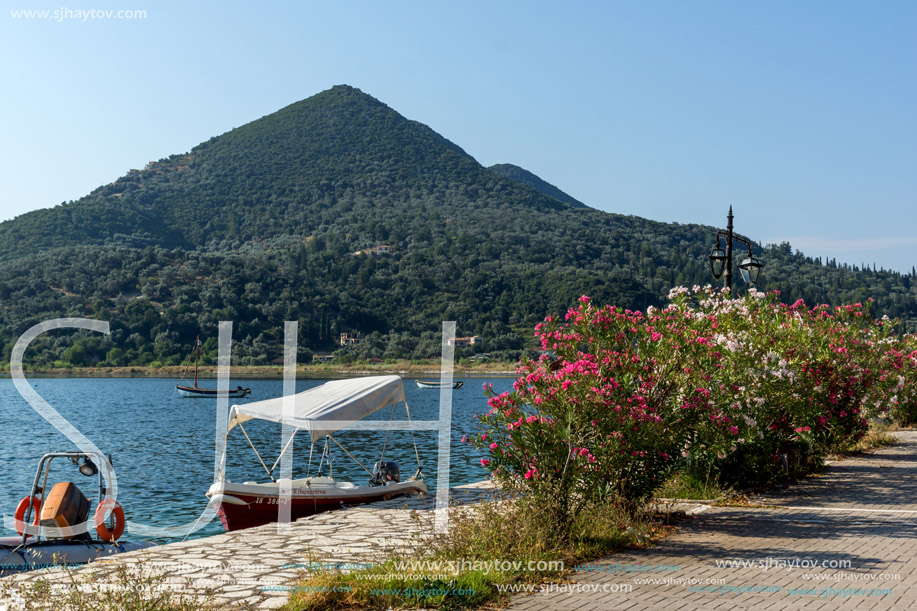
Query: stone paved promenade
<point>857,521</point>
<point>253,568</point>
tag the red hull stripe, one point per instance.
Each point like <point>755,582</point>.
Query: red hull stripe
<point>264,509</point>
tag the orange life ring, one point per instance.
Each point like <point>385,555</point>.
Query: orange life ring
<point>20,512</point>
<point>117,513</point>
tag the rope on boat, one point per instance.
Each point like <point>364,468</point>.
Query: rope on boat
<point>322,461</point>
<point>387,431</point>
<point>187,364</point>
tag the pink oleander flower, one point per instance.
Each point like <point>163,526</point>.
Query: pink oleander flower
<point>484,462</point>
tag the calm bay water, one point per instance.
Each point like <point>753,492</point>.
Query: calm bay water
<point>162,445</point>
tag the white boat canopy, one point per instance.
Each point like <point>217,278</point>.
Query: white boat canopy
<point>325,409</point>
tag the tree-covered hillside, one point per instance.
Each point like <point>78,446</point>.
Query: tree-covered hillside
<point>262,225</point>
<point>536,182</point>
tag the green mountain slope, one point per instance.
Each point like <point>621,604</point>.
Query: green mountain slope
<point>261,225</point>
<point>325,161</point>
<point>525,177</point>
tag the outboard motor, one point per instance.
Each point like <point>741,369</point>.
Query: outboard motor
<point>384,472</point>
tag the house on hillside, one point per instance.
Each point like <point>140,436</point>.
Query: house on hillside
<point>351,339</point>
<point>459,342</point>
<point>382,249</point>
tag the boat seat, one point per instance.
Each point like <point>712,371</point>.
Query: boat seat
<point>345,485</point>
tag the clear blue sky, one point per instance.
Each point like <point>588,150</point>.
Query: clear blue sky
<point>799,114</point>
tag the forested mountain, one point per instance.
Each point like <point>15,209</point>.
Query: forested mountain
<point>542,186</point>
<point>276,220</point>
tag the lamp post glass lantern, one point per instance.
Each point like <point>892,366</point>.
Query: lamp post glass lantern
<point>750,268</point>
<point>721,261</point>
<point>717,261</point>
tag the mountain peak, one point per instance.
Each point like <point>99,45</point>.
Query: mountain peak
<point>304,168</point>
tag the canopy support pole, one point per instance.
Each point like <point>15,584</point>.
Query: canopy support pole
<point>350,455</point>
<point>256,452</point>
<point>283,451</point>
<point>413,440</point>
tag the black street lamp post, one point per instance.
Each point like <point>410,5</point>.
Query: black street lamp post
<point>721,261</point>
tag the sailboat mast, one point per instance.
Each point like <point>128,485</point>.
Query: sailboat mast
<point>197,355</point>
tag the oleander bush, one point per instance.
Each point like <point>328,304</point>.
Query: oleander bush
<point>740,389</point>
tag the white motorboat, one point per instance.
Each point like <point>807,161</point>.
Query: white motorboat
<point>321,411</point>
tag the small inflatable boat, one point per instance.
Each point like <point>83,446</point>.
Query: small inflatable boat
<point>53,524</point>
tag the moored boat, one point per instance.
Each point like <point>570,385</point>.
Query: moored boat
<point>53,525</point>
<point>194,391</point>
<point>433,384</point>
<point>321,411</point>
<point>17,558</point>
<point>253,504</point>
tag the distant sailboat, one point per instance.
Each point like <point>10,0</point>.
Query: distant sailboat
<point>194,391</point>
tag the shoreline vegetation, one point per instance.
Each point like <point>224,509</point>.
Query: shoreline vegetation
<point>427,368</point>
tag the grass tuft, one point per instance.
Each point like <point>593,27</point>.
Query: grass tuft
<point>876,437</point>
<point>690,485</point>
